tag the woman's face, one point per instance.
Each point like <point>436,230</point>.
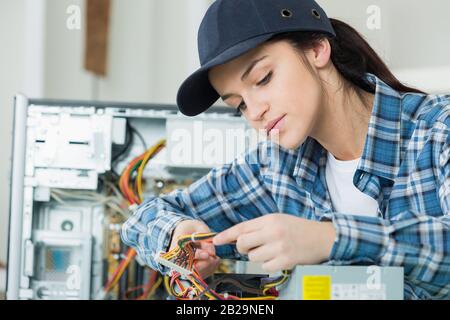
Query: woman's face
<point>269,83</point>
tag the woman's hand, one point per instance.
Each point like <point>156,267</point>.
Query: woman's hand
<point>281,241</point>
<point>207,261</point>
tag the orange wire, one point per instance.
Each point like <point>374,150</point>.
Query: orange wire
<point>150,285</point>
<point>124,183</point>
<point>126,187</point>
<point>120,269</point>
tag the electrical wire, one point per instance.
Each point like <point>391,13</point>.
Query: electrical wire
<point>154,288</point>
<point>273,283</point>
<point>139,135</point>
<point>147,289</point>
<point>126,147</point>
<point>132,191</point>
<point>115,203</point>
<point>183,256</point>
<point>120,270</point>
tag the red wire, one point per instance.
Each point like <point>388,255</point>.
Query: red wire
<point>149,285</point>
<point>126,188</point>
<point>123,264</point>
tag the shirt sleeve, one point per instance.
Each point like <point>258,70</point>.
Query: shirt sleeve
<point>227,195</point>
<point>417,241</point>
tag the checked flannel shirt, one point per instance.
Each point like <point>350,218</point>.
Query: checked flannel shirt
<point>405,166</point>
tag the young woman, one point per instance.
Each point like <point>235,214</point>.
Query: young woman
<point>362,174</point>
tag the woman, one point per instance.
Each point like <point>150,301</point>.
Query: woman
<point>362,173</point>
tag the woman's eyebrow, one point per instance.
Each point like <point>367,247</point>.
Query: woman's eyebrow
<point>245,75</point>
<point>250,67</point>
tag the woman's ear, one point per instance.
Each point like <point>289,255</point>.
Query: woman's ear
<point>320,54</point>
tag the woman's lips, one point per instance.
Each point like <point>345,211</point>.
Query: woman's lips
<point>278,125</point>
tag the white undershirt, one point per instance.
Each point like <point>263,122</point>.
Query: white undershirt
<point>345,197</point>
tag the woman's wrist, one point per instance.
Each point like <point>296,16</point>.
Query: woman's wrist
<point>328,239</point>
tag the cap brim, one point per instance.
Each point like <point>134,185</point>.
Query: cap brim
<point>196,94</point>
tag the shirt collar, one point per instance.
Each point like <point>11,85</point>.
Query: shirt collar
<point>381,153</point>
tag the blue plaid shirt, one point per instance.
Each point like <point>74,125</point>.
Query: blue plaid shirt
<point>405,166</point>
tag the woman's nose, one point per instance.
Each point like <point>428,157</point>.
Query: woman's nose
<point>256,111</point>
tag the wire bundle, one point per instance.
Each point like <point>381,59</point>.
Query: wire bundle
<point>270,284</point>
<point>130,182</point>
<point>148,289</point>
<point>130,185</point>
<point>183,287</point>
<point>183,255</point>
<point>112,282</point>
<point>113,202</point>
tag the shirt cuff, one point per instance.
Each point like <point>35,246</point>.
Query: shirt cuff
<point>161,235</point>
<point>359,239</point>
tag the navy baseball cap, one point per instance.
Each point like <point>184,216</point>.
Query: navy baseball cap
<point>231,28</point>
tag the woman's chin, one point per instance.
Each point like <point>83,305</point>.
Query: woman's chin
<point>287,142</point>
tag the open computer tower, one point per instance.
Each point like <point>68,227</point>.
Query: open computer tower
<point>64,235</point>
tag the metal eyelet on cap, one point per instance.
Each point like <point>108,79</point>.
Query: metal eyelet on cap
<point>315,13</point>
<point>286,13</point>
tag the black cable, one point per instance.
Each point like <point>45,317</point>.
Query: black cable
<point>140,137</point>
<point>123,285</point>
<point>242,287</point>
<point>206,287</point>
<point>126,146</point>
<point>139,275</point>
<point>125,150</point>
<point>124,279</point>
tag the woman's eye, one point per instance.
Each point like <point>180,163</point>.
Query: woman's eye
<point>265,80</point>
<point>241,107</point>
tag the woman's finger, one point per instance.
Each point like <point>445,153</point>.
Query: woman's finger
<point>263,253</point>
<point>231,235</point>
<point>209,247</point>
<point>277,264</point>
<point>201,254</point>
<point>251,240</point>
<point>207,267</point>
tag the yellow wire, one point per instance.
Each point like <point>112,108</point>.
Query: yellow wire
<point>197,235</point>
<point>167,285</point>
<point>140,172</point>
<point>120,273</point>
<point>156,286</point>
<point>177,250</point>
<point>271,285</point>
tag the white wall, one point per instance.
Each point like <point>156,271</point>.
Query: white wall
<point>21,70</point>
<point>64,74</point>
<point>414,40</point>
<point>421,35</point>
<point>152,47</point>
<point>12,58</point>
